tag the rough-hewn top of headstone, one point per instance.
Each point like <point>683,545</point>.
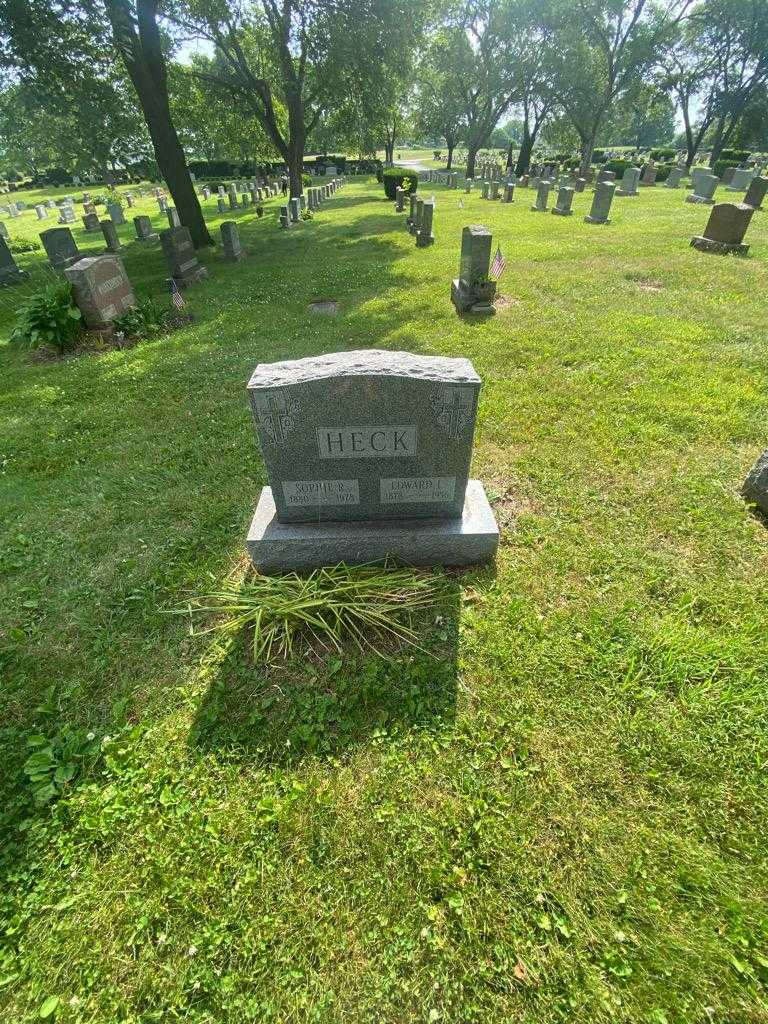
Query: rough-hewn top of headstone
<point>362,363</point>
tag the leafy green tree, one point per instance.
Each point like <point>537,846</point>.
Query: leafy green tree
<point>296,57</point>
<point>440,104</point>
<point>602,48</point>
<point>645,116</point>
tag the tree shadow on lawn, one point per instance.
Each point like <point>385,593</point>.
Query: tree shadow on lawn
<point>328,702</point>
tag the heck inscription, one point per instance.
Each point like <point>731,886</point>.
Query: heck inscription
<point>366,442</point>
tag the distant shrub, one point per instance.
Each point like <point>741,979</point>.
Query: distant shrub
<point>306,180</point>
<point>720,166</point>
<point>663,171</point>
<point>394,176</point>
<point>617,166</point>
<point>598,156</point>
<point>24,245</point>
<point>739,155</point>
<point>48,317</point>
<point>663,154</point>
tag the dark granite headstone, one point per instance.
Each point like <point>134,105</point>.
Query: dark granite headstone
<point>725,230</point>
<point>370,450</point>
<point>9,272</point>
<point>756,193</point>
<point>473,291</point>
<point>101,288</point>
<point>755,487</point>
<point>230,239</point>
<point>183,264</point>
<point>60,247</point>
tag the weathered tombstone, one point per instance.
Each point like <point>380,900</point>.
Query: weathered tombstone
<point>494,190</point>
<point>13,209</point>
<point>206,193</point>
<point>101,289</point>
<point>67,215</point>
<point>509,192</point>
<point>162,204</point>
<point>424,236</point>
<point>605,175</point>
<point>3,230</point>
<point>411,218</point>
<point>245,199</point>
<point>675,177</point>
<point>230,239</point>
<point>129,199</point>
<point>9,272</point>
<point>756,193</point>
<point>183,264</point>
<point>542,197</point>
<point>111,238</point>
<point>473,291</point>
<point>144,231</point>
<point>628,185</point>
<point>173,217</point>
<point>399,199</point>
<point>601,203</point>
<point>221,204</point>
<point>395,487</point>
<point>294,209</point>
<point>727,175</point>
<point>285,217</point>
<point>725,230</point>
<point>704,189</point>
<point>60,247</point>
<point>232,193</point>
<point>564,199</point>
<point>580,184</point>
<point>115,212</point>
<point>740,179</point>
<point>649,175</point>
<point>755,487</point>
<point>419,213</point>
<point>91,223</point>
<point>41,211</point>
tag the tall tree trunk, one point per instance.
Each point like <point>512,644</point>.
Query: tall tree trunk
<point>472,149</point>
<point>144,61</point>
<point>450,146</point>
<point>510,156</point>
<point>524,156</point>
<point>718,143</point>
<point>586,148</point>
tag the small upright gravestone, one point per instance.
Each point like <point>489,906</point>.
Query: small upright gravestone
<point>173,217</point>
<point>740,180</point>
<point>628,184</point>
<point>111,238</point>
<point>143,226</point>
<point>725,230</point>
<point>509,192</point>
<point>115,212</point>
<point>230,239</point>
<point>91,223</point>
<point>294,208</point>
<point>564,199</point>
<point>756,193</point>
<point>368,457</point>
<point>425,236</point>
<point>579,185</point>
<point>9,272</point>
<point>675,177</point>
<point>66,214</point>
<point>473,291</point>
<point>399,199</point>
<point>649,175</point>
<point>60,247</point>
<point>183,265</point>
<point>410,220</point>
<point>101,289</point>
<point>755,487</point>
<point>221,205</point>
<point>285,217</point>
<point>542,197</point>
<point>704,186</point>
<point>601,203</point>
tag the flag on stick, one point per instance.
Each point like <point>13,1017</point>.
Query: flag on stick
<point>176,297</point>
<point>498,266</point>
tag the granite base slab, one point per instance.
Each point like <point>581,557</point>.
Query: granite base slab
<point>596,220</point>
<point>283,547</point>
<point>722,248</point>
<point>701,200</point>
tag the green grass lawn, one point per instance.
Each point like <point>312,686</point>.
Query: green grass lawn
<point>557,815</point>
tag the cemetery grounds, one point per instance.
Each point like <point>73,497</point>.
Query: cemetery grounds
<point>554,812</point>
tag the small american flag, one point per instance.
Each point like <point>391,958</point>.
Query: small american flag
<point>499,265</point>
<point>176,297</point>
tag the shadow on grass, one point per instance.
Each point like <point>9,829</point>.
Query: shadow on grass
<point>328,702</point>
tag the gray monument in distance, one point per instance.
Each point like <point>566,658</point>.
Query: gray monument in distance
<point>368,457</point>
